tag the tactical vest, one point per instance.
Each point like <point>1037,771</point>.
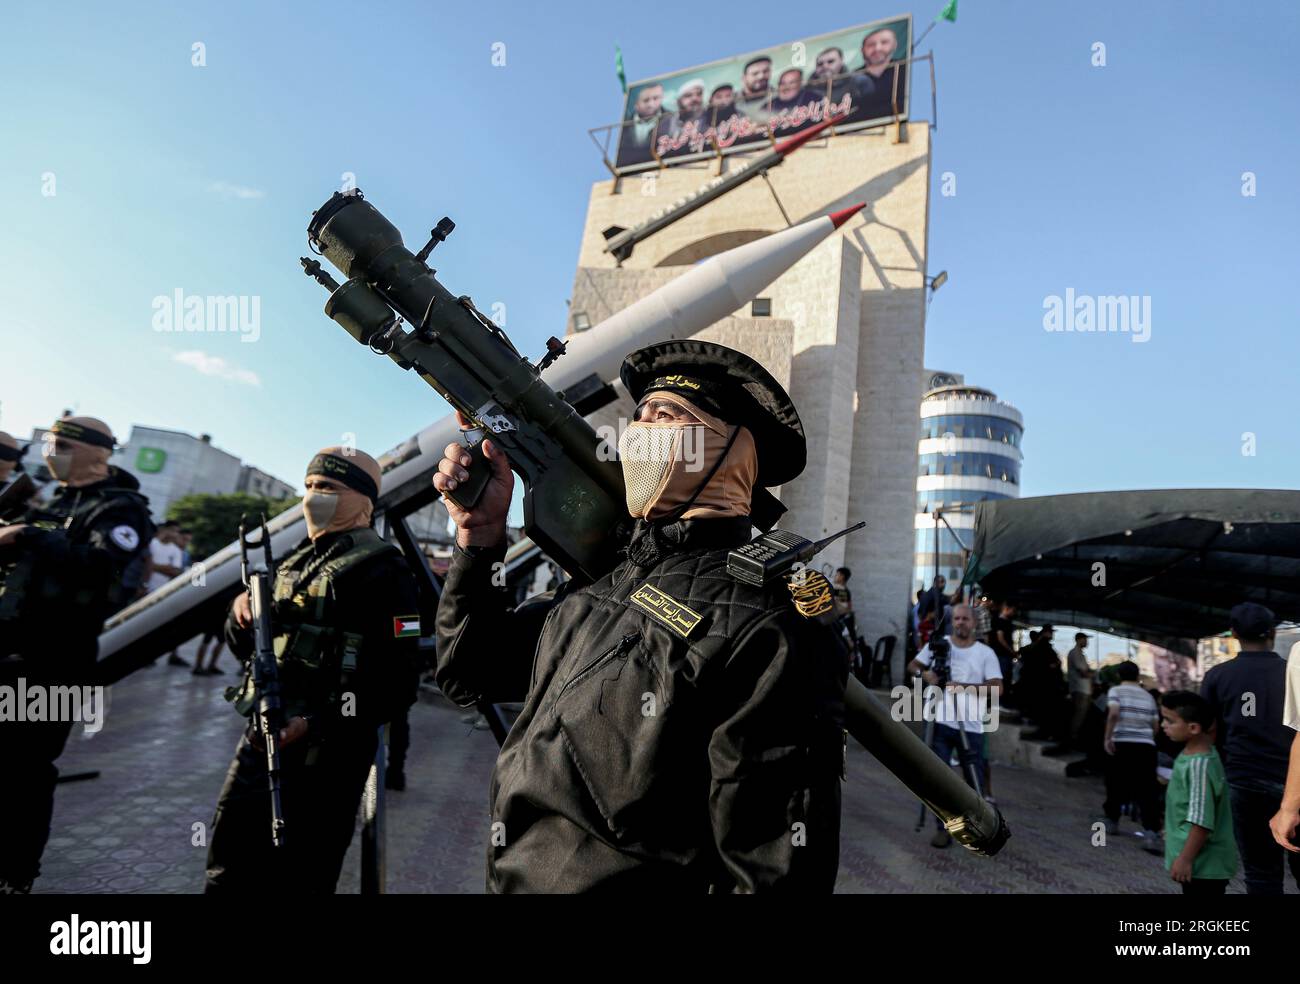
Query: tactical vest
<point>316,659</point>
<point>23,583</point>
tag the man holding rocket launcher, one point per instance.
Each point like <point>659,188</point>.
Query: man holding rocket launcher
<point>517,416</point>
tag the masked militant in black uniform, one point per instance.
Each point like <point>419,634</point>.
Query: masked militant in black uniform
<point>346,638</point>
<point>64,567</point>
<point>681,730</point>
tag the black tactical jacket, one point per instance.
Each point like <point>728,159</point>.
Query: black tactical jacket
<point>682,731</point>
<point>79,560</point>
<point>341,630</point>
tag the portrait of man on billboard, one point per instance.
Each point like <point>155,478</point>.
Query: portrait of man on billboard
<point>831,79</point>
<point>684,129</point>
<point>690,101</point>
<point>640,131</point>
<point>791,93</point>
<point>722,104</point>
<point>883,72</point>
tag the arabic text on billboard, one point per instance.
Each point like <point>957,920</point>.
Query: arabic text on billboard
<point>858,76</point>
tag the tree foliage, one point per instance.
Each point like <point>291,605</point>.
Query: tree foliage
<point>214,519</point>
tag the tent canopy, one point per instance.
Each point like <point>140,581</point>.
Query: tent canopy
<point>1162,564</point>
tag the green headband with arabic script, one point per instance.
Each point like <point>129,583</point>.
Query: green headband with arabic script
<point>75,432</point>
<point>342,470</point>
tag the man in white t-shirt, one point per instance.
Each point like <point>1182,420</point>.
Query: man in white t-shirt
<point>166,560</point>
<point>974,682</point>
<point>1287,819</point>
<point>165,556</point>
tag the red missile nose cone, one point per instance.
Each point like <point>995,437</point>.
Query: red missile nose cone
<point>843,215</point>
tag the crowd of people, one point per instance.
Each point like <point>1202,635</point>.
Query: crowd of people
<point>1212,779</point>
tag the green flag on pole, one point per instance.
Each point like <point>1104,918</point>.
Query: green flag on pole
<point>622,75</point>
<point>949,13</point>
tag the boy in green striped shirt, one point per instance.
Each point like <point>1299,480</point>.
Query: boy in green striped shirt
<point>1200,850</point>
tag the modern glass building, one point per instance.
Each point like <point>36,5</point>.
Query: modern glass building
<point>969,451</point>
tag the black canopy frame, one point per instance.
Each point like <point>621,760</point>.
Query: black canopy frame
<point>1164,565</point>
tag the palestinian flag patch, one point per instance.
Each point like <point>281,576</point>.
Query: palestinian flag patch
<point>405,626</point>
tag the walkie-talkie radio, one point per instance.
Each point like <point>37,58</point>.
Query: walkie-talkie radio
<point>774,554</point>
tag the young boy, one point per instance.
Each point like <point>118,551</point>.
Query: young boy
<point>1200,850</point>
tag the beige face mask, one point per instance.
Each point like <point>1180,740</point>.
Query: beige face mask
<point>59,464</point>
<point>81,465</point>
<point>347,509</point>
<point>664,464</point>
<point>332,512</point>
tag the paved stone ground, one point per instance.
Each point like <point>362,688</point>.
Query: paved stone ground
<point>168,738</point>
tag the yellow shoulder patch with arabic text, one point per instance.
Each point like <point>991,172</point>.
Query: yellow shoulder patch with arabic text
<point>811,592</point>
<point>664,608</point>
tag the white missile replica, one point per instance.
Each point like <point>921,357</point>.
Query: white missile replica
<point>704,294</point>
<point>710,292</point>
<point>620,242</point>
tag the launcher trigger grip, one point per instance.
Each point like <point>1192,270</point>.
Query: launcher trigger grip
<point>468,492</point>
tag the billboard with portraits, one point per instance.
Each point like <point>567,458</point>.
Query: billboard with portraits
<point>858,75</point>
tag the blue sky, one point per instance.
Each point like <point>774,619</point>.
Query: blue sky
<point>1124,179</point>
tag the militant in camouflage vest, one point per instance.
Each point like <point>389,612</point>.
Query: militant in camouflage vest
<point>316,659</point>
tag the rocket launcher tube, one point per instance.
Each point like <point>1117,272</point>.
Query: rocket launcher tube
<point>573,498</point>
<point>971,820</point>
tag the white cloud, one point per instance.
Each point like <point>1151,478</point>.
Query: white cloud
<point>214,365</point>
<point>228,189</point>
